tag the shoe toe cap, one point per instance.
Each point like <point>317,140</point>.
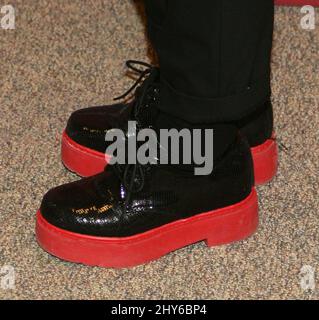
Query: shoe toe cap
<point>56,208</point>
<point>88,126</point>
<point>80,207</point>
<point>94,119</point>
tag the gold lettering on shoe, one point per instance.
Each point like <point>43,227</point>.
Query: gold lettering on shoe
<point>92,209</point>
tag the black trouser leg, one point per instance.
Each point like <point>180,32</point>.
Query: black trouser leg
<point>214,56</point>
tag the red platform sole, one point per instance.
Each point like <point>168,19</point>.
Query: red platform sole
<point>217,227</point>
<point>87,162</point>
<point>265,158</point>
<point>83,161</point>
<point>297,2</point>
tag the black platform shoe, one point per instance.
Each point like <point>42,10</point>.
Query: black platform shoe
<point>83,141</point>
<point>131,213</point>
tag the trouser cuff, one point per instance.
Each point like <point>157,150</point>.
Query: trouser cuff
<point>212,110</point>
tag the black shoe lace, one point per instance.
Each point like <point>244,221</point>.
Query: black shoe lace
<point>132,176</point>
<point>146,79</point>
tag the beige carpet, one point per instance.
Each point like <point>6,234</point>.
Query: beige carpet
<point>65,55</point>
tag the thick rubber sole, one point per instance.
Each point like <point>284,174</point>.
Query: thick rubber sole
<point>217,227</point>
<point>87,162</point>
<point>297,2</point>
<point>265,158</point>
<point>83,161</point>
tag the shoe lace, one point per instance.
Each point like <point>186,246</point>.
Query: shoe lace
<point>132,176</point>
<point>144,85</point>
